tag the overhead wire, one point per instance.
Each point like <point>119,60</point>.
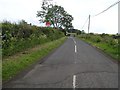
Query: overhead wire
<point>85,23</point>
<point>102,11</point>
<point>107,8</point>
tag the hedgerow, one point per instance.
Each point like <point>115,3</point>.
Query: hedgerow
<point>17,37</point>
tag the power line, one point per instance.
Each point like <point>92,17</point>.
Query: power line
<point>85,22</point>
<point>99,14</point>
<point>107,8</point>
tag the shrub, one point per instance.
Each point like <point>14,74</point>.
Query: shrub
<point>17,37</point>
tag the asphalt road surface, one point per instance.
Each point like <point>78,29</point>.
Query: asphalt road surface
<point>75,64</point>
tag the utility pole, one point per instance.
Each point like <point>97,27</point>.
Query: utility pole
<point>89,24</point>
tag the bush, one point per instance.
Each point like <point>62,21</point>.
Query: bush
<point>17,37</point>
<point>97,39</point>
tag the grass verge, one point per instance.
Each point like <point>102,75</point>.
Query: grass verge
<point>16,63</point>
<point>105,47</point>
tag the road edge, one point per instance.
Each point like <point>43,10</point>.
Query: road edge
<point>101,51</point>
<point>29,68</point>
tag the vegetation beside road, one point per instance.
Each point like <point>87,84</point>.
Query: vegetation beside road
<point>18,62</point>
<point>105,42</point>
<point>23,44</point>
<point>21,36</point>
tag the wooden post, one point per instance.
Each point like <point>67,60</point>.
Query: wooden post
<point>89,24</point>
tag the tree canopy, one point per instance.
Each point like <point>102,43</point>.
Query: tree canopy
<point>56,15</point>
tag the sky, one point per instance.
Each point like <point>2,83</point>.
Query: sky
<point>107,22</point>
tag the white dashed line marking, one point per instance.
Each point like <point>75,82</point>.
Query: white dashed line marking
<point>74,41</point>
<point>74,81</point>
<point>75,49</point>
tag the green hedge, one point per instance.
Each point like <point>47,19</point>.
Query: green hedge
<point>17,37</point>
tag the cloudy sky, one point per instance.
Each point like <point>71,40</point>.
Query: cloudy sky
<point>107,22</point>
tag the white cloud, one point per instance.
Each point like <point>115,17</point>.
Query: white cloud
<point>107,22</point>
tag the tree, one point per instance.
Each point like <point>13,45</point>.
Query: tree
<point>42,14</point>
<point>56,15</point>
<point>67,22</point>
<point>83,32</point>
<point>78,32</point>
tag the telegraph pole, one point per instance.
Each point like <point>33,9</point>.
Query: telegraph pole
<point>89,24</point>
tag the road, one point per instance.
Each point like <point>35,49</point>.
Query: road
<point>75,64</point>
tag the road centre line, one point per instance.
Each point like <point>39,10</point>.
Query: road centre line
<point>74,41</point>
<point>74,81</point>
<point>75,49</point>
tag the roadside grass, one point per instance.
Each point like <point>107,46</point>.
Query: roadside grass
<point>0,67</point>
<point>111,50</point>
<point>119,49</point>
<point>16,63</point>
<point>108,49</point>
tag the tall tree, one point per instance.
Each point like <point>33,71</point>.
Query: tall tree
<point>56,15</point>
